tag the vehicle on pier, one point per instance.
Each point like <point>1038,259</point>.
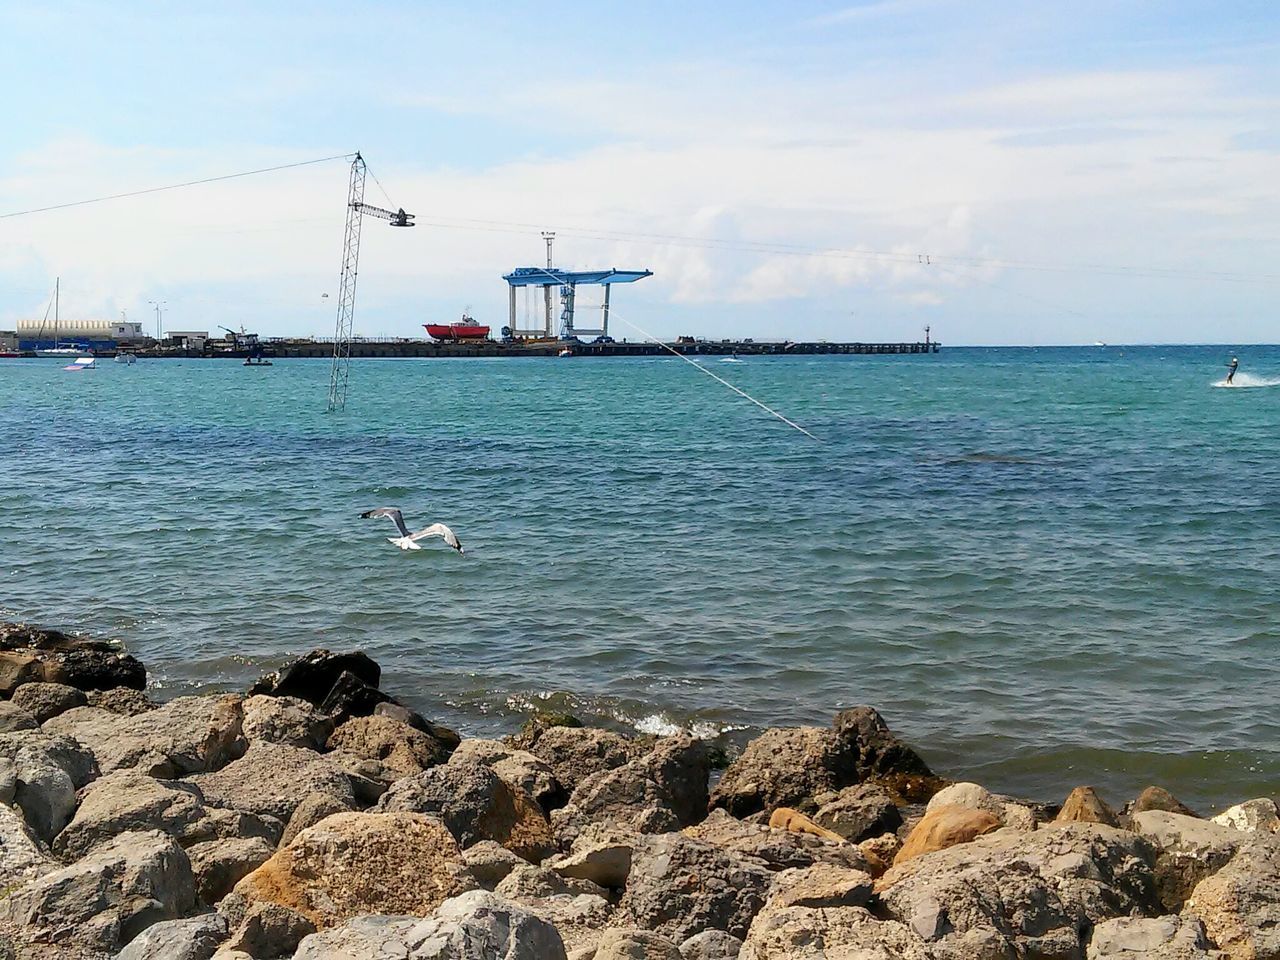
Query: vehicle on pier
<point>464,329</point>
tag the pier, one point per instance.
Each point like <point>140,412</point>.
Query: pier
<point>414,348</point>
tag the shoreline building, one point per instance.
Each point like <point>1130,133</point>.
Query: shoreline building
<point>89,334</point>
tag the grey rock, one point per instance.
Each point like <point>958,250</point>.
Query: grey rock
<point>662,791</point>
<point>110,896</point>
<point>21,856</point>
<point>852,933</point>
<point>601,854</point>
<point>679,887</point>
<point>519,767</point>
<point>859,813</point>
<point>372,937</point>
<point>402,749</point>
<point>14,717</point>
<point>369,779</point>
<point>1141,938</point>
<point>218,865</point>
<point>272,779</point>
<point>489,862</point>
<point>46,700</point>
<point>1240,904</point>
<point>821,886</point>
<point>773,848</point>
<point>311,677</point>
<point>195,938</point>
<point>8,780</point>
<point>122,700</point>
<point>634,944</point>
<point>313,808</point>
<point>1190,850</point>
<point>478,925</point>
<point>47,772</point>
<point>128,801</point>
<point>475,804</point>
<point>879,751</point>
<point>268,931</point>
<point>184,736</point>
<point>575,753</point>
<point>1252,816</point>
<point>711,945</point>
<point>288,720</point>
<point>1024,894</point>
<point>526,883</point>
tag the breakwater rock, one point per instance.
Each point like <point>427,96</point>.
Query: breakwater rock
<point>316,817</point>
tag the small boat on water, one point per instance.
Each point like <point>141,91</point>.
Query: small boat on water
<point>83,363</point>
<point>126,358</point>
<point>464,329</point>
<point>258,362</point>
<point>566,352</point>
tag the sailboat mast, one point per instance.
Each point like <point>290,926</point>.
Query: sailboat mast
<point>57,282</point>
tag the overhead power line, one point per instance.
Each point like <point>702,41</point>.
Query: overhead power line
<point>173,186</point>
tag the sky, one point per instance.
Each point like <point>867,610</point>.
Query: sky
<point>1006,173</point>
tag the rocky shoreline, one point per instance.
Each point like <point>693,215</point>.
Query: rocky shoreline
<point>315,817</point>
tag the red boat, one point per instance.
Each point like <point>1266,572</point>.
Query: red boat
<point>465,329</point>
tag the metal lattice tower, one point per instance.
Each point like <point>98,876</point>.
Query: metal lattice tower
<point>341,368</point>
<point>356,209</point>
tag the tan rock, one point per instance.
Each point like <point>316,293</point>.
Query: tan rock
<point>815,933</point>
<point>784,818</point>
<point>402,749</point>
<point>635,945</point>
<point>880,851</point>
<point>774,847</point>
<point>1240,904</point>
<point>361,863</point>
<point>945,827</point>
<point>1158,798</point>
<point>1252,816</point>
<point>1083,805</point>
<point>821,885</point>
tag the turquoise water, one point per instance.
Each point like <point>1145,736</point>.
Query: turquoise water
<point>1045,567</point>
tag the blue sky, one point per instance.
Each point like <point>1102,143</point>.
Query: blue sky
<point>1082,172</point>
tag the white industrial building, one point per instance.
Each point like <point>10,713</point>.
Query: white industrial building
<point>121,331</point>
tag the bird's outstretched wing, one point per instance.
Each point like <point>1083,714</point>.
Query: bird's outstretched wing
<point>396,517</point>
<point>441,531</point>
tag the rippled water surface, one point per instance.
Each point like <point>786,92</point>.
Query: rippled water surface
<point>1045,567</point>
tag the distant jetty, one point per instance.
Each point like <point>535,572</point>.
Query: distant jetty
<point>404,348</point>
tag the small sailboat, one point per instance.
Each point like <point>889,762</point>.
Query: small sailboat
<point>123,357</point>
<point>57,350</point>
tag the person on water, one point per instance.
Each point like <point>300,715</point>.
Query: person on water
<point>1231,369</point>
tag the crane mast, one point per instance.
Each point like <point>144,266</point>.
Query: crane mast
<point>356,209</point>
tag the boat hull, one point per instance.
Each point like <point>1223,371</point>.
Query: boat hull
<point>457,331</point>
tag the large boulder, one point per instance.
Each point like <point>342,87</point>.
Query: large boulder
<point>518,767</point>
<point>575,753</point>
<point>711,945</point>
<point>110,896</point>
<point>944,827</point>
<point>403,750</point>
<point>357,863</point>
<point>662,791</point>
<point>782,932</point>
<point>1252,816</point>
<point>1084,805</point>
<point>21,856</point>
<point>1240,903</point>
<point>1190,849</point>
<point>127,801</point>
<point>184,736</point>
<point>45,701</point>
<point>48,770</point>
<point>263,929</point>
<point>1022,894</point>
<point>361,938</point>
<point>773,848</point>
<point>475,804</point>
<point>218,865</point>
<point>287,720</point>
<point>859,813</point>
<point>311,677</point>
<point>679,887</point>
<point>1150,938</point>
<point>631,944</point>
<point>125,701</point>
<point>14,718</point>
<point>30,654</point>
<point>195,938</point>
<point>272,779</point>
<point>313,808</point>
<point>792,766</point>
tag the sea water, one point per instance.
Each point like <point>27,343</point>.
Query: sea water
<point>1044,566</point>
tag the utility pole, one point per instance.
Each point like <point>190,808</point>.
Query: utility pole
<point>550,237</point>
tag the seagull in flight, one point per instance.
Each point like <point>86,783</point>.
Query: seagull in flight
<point>407,540</point>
